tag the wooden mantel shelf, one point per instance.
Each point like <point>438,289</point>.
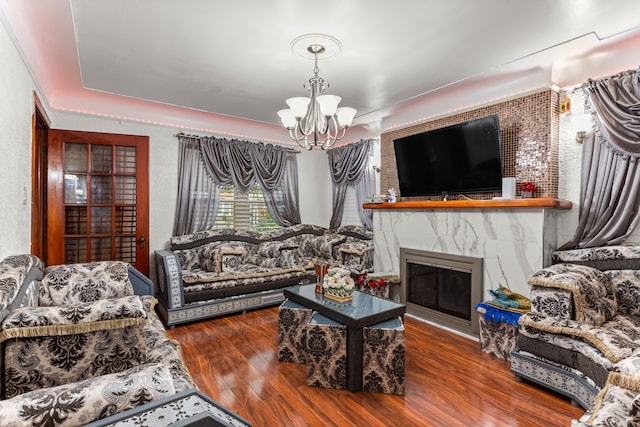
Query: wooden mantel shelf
<point>543,202</point>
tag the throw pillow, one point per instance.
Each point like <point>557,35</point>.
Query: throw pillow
<point>323,246</point>
<point>627,286</point>
<point>211,256</point>
<point>231,262</point>
<point>593,293</point>
<point>274,249</point>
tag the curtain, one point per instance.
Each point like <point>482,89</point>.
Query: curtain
<point>283,202</point>
<point>208,163</point>
<point>198,195</point>
<point>610,178</point>
<point>348,166</point>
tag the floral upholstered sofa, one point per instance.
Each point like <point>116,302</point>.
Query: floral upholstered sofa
<point>216,272</point>
<point>582,336</point>
<point>78,345</point>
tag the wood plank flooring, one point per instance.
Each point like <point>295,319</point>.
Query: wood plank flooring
<point>449,381</point>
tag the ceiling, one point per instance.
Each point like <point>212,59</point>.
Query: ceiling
<point>212,65</point>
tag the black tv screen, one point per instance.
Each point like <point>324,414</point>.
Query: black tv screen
<point>464,158</point>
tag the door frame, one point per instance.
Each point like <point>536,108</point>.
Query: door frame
<point>55,214</point>
<point>40,124</point>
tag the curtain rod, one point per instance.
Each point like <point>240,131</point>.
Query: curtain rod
<point>179,134</point>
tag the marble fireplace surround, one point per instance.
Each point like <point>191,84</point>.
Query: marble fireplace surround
<point>515,238</point>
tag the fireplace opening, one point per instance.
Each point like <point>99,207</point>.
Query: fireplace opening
<point>442,288</point>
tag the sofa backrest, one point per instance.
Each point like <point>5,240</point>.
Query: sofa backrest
<point>618,257</point>
<point>311,241</point>
<point>354,231</point>
<point>79,283</point>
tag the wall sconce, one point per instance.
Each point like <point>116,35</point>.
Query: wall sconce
<point>582,123</point>
<point>565,103</point>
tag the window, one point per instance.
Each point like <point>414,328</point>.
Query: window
<point>350,210</point>
<point>243,211</point>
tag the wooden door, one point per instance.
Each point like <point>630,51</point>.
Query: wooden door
<point>97,198</point>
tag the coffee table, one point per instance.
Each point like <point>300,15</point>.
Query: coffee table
<point>363,310</point>
<point>187,408</point>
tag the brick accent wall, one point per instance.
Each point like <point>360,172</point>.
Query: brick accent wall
<point>529,129</point>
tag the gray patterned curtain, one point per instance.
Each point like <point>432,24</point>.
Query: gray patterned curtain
<point>197,193</point>
<point>349,166</point>
<point>610,181</point>
<point>221,162</point>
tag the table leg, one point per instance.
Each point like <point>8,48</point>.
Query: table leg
<point>354,359</point>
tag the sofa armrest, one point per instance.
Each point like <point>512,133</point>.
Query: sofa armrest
<point>356,256</point>
<point>594,298</point>
<point>89,400</point>
<point>553,302</point>
<point>19,276</point>
<point>169,279</point>
<point>142,285</point>
<point>69,319</point>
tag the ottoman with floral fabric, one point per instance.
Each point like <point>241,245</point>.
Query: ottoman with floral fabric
<point>326,353</point>
<point>383,351</point>
<point>292,332</point>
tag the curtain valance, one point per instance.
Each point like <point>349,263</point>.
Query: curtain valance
<point>243,163</point>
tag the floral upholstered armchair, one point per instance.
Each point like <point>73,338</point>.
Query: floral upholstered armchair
<point>91,348</point>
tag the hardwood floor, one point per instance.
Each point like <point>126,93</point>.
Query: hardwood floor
<point>449,381</point>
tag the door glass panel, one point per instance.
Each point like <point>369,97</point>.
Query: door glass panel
<point>75,250</point>
<point>101,191</point>
<point>101,249</point>
<point>101,158</point>
<point>75,220</point>
<point>101,220</point>
<point>126,160</point>
<point>125,219</point>
<point>75,188</point>
<point>126,189</point>
<point>126,249</point>
<point>75,157</point>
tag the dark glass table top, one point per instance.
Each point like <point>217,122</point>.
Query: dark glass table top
<point>362,309</point>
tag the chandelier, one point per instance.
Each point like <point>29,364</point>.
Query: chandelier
<point>316,121</point>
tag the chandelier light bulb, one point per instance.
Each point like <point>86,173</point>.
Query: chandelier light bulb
<point>298,106</point>
<point>328,104</point>
<point>287,118</point>
<point>345,116</point>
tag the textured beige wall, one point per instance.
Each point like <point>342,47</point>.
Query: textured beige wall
<point>16,108</point>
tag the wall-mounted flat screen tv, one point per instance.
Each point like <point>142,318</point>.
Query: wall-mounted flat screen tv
<point>463,158</point>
